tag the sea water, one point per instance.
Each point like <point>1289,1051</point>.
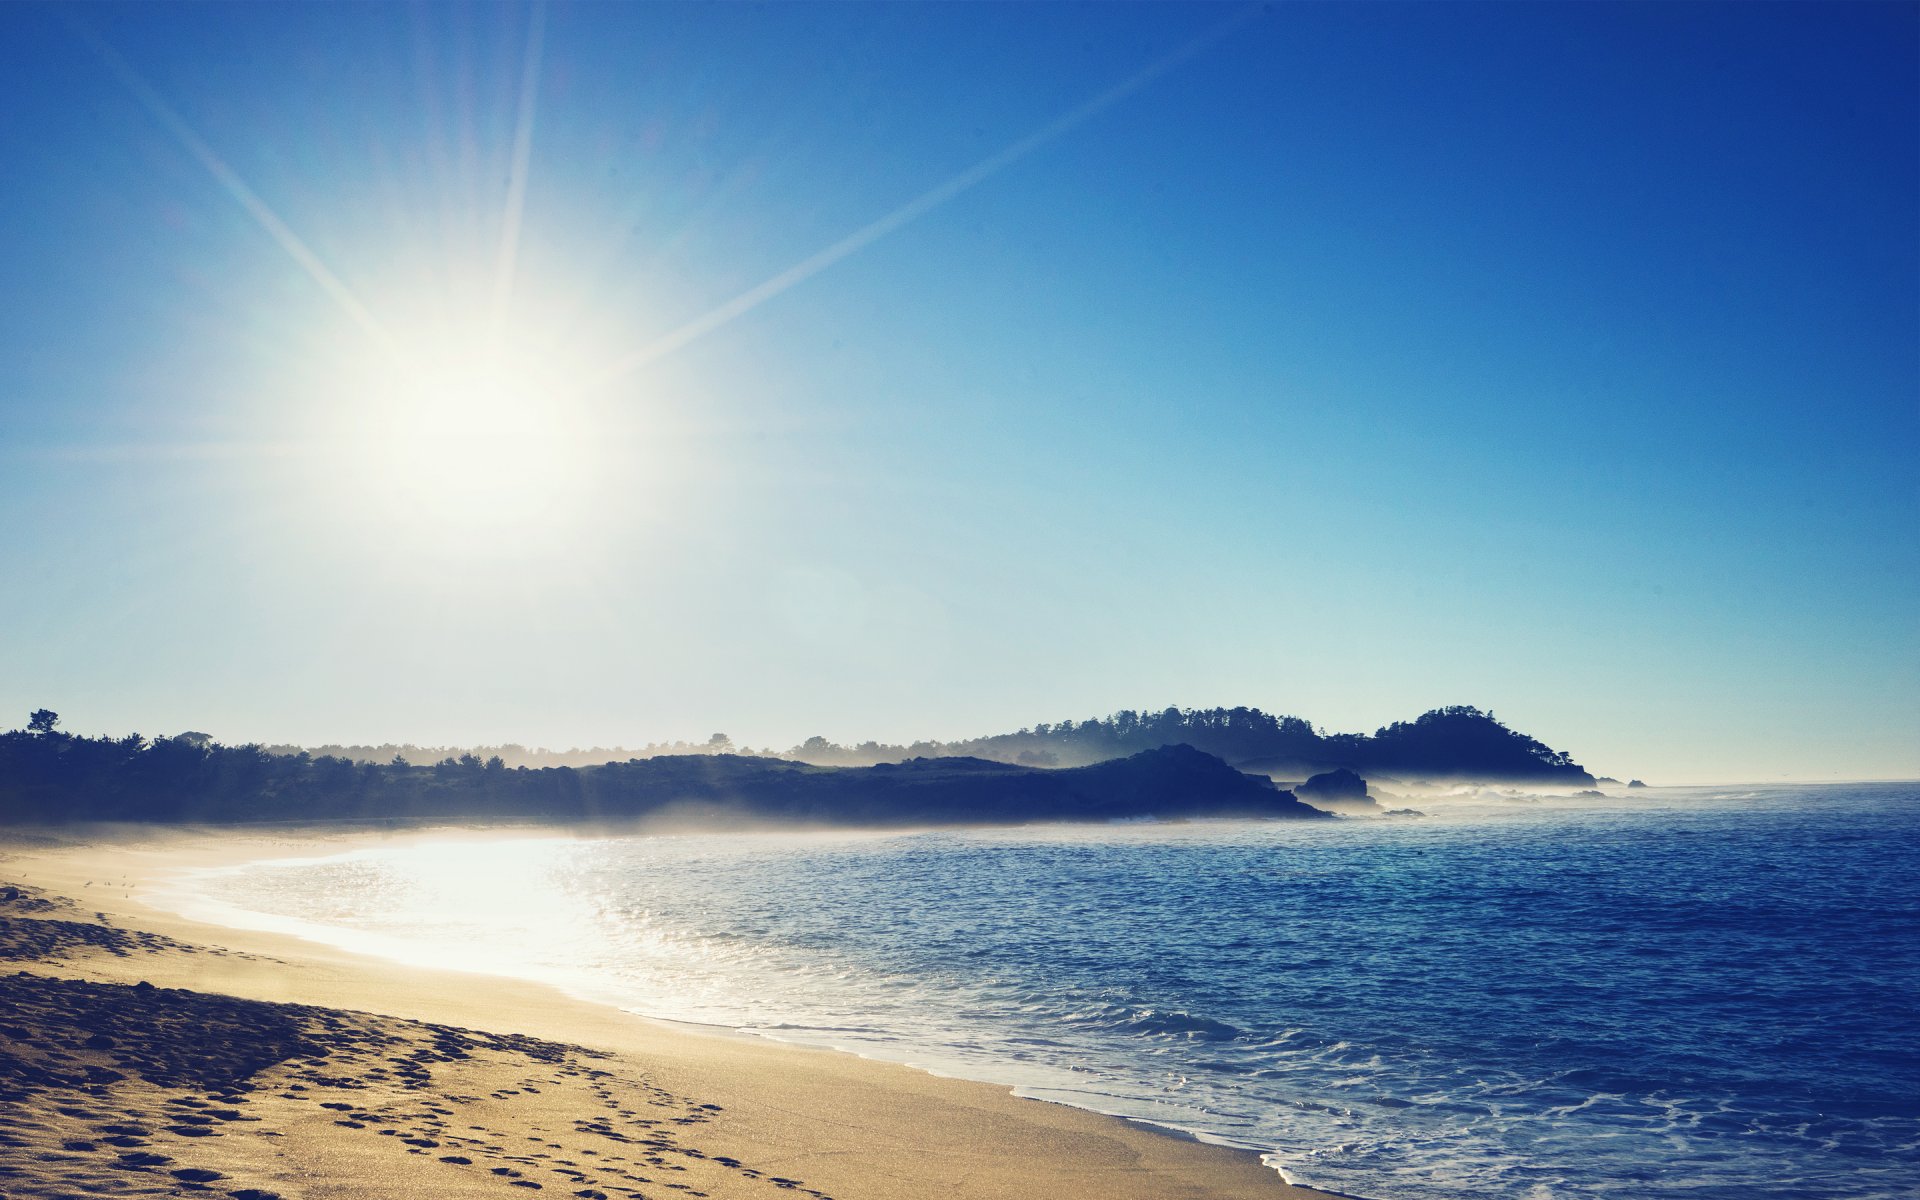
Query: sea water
<point>1701,993</point>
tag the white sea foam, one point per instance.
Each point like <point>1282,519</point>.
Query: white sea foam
<point>1704,997</point>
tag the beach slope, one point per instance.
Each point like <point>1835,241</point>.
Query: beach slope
<point>143,1053</point>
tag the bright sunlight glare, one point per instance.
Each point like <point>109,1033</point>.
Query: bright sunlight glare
<point>472,434</point>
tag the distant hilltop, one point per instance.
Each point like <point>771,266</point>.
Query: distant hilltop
<point>50,777</point>
<point>1178,763</point>
<point>1457,743</point>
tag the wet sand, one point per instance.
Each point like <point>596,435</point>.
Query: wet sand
<point>145,1054</point>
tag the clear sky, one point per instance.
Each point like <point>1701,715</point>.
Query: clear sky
<point>611,373</point>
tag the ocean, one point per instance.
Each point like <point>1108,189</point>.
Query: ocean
<point>1708,993</point>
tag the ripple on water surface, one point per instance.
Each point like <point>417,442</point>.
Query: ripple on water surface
<point>1695,994</point>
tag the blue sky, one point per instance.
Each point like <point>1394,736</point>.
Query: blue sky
<point>1559,359</point>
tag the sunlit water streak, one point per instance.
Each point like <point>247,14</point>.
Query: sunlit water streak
<point>1708,994</point>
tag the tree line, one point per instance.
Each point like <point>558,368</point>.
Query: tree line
<point>1456,741</point>
<point>49,774</point>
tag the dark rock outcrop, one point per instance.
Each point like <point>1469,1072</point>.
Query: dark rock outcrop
<point>1339,791</point>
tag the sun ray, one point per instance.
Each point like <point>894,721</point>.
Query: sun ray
<point>237,187</point>
<point>508,262</point>
<point>925,202</point>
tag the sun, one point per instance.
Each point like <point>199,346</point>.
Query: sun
<point>493,437</point>
<point>473,435</point>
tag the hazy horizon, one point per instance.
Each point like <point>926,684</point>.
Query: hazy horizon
<point>578,376</point>
<point>796,748</point>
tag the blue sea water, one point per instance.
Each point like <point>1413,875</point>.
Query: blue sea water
<point>1701,993</point>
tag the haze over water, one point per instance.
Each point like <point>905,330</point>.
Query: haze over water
<point>1703,993</point>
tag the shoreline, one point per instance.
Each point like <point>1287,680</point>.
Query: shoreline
<point>861,1126</point>
<point>192,905</point>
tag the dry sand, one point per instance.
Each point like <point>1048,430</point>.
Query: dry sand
<point>145,1054</point>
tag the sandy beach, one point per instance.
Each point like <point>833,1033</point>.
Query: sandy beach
<point>142,1053</point>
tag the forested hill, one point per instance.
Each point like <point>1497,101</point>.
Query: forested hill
<point>1177,762</point>
<point>1458,742</point>
<point>49,777</point>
